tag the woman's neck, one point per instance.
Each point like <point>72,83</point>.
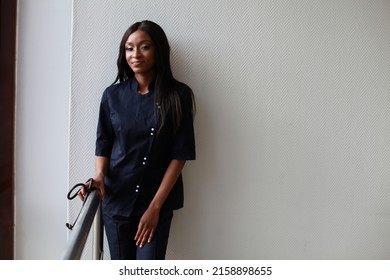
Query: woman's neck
<point>143,82</point>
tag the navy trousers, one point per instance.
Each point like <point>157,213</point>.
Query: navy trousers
<point>121,231</point>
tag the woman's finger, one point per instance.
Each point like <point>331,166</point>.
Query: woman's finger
<point>82,193</point>
<point>143,235</point>
<point>151,235</point>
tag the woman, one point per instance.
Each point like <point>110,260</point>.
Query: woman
<point>144,136</point>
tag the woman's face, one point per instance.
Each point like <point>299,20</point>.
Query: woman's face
<point>140,54</point>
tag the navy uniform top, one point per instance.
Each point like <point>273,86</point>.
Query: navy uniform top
<point>138,153</point>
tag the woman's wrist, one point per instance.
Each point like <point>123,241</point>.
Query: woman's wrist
<point>155,206</point>
<point>99,174</point>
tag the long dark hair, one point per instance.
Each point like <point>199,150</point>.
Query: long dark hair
<point>166,86</point>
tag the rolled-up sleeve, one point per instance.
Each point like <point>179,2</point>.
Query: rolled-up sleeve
<point>104,133</point>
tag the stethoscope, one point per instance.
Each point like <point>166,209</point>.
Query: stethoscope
<point>71,196</point>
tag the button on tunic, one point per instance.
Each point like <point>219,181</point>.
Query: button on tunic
<point>139,154</point>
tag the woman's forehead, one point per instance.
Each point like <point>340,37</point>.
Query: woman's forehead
<point>137,37</point>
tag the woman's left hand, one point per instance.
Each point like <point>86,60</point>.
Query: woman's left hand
<point>147,227</point>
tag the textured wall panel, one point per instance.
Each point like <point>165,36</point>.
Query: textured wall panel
<point>292,131</point>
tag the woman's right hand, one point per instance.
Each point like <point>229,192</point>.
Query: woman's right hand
<point>98,183</point>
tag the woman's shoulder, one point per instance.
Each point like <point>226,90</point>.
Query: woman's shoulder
<point>117,87</point>
<point>183,88</point>
<point>185,91</point>
<point>186,96</point>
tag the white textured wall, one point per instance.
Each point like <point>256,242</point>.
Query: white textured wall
<point>42,128</point>
<point>292,128</point>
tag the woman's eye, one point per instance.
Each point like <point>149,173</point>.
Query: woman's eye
<point>145,47</point>
<point>142,48</point>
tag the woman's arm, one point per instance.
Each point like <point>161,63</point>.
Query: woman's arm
<point>149,220</point>
<point>101,168</point>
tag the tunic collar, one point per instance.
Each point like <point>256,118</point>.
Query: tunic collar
<point>134,85</point>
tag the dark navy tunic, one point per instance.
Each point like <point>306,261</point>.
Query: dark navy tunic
<point>139,155</point>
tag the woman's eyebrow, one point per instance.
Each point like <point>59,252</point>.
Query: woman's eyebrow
<point>141,42</point>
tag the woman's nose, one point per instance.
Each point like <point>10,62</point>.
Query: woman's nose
<point>137,52</point>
